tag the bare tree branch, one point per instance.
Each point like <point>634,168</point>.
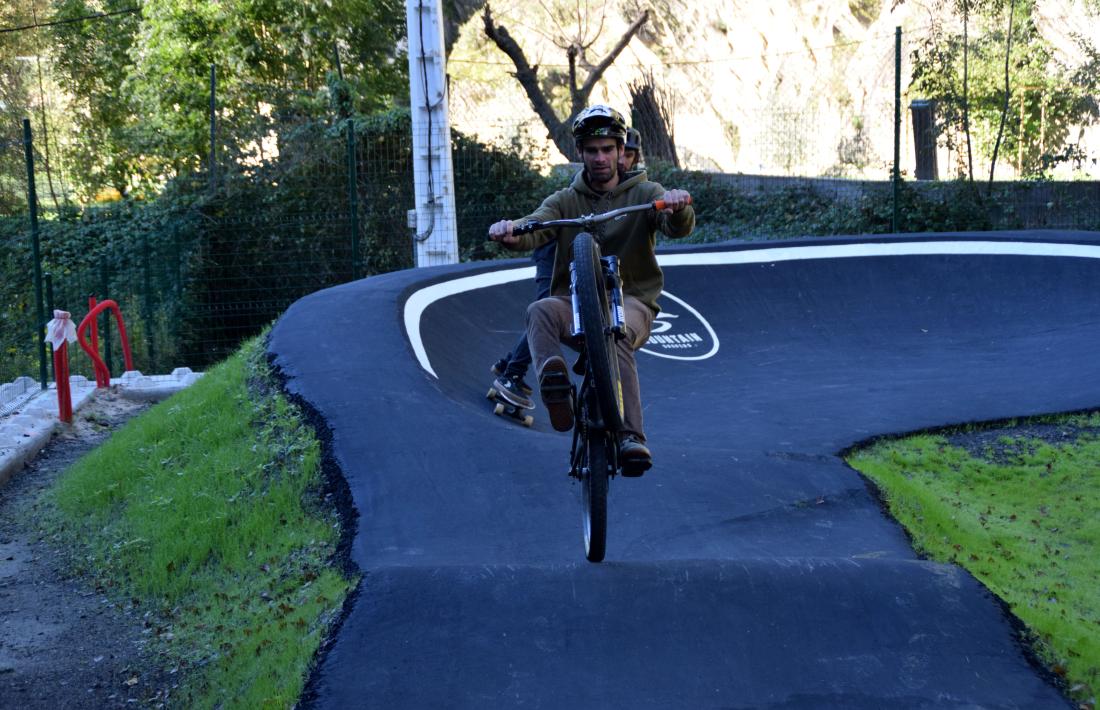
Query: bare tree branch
<point>571,53</point>
<point>527,75</point>
<point>562,34</point>
<point>598,72</point>
<point>528,79</point>
<point>599,30</point>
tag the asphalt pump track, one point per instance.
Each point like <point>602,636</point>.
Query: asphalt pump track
<point>751,568</point>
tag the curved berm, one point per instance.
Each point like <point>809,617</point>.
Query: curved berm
<point>751,567</point>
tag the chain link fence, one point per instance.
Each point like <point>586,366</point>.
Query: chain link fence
<point>317,202</point>
<point>17,313</point>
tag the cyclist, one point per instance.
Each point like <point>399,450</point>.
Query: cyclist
<point>512,368</point>
<point>600,133</point>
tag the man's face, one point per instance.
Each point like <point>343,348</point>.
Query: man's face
<point>628,160</point>
<point>601,158</point>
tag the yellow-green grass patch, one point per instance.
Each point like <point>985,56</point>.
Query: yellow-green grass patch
<point>209,511</point>
<point>1022,514</point>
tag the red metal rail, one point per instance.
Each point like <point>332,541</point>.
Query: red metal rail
<point>102,374</point>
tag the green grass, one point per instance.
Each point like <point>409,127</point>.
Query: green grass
<point>208,510</point>
<point>1024,518</point>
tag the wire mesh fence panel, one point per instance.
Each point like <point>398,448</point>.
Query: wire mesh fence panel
<point>18,333</point>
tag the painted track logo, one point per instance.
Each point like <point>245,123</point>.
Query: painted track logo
<point>680,332</point>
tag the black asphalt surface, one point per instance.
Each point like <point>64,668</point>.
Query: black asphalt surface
<point>751,568</point>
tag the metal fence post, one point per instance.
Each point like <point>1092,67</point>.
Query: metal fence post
<point>106,327</point>
<point>353,200</point>
<point>896,178</point>
<point>177,254</point>
<point>48,278</point>
<point>32,204</point>
<point>213,128</point>
<point>147,303</point>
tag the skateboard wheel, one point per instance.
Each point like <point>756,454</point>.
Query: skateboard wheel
<point>499,409</point>
<point>528,420</point>
<point>491,394</point>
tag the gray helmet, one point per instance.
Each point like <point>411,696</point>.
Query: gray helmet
<point>599,121</point>
<point>633,139</point>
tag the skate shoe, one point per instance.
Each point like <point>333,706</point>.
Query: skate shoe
<point>556,389</point>
<point>635,456</point>
<point>499,367</point>
<point>510,389</point>
<point>523,386</point>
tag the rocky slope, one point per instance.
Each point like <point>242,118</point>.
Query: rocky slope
<point>801,87</point>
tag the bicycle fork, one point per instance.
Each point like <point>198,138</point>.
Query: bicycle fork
<point>613,283</point>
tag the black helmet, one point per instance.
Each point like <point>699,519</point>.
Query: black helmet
<point>633,139</point>
<point>599,121</point>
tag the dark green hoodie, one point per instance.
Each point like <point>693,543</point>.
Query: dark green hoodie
<point>632,238</point>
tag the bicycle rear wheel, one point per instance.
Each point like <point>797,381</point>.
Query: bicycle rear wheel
<point>599,342</point>
<point>594,484</point>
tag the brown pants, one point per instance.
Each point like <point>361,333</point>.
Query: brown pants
<point>550,323</point>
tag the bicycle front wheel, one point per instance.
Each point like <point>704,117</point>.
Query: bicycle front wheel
<point>594,484</point>
<point>599,341</point>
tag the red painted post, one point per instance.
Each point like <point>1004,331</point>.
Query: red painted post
<point>64,394</point>
<point>59,333</point>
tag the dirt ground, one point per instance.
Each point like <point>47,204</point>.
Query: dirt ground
<point>63,643</point>
<point>1001,445</point>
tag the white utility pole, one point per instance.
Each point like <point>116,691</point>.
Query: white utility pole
<point>433,219</point>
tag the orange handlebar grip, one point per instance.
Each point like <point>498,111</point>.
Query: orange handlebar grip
<point>660,204</point>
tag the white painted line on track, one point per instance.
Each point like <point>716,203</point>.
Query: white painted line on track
<point>419,301</point>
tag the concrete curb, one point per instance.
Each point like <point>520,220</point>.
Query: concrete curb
<point>25,432</point>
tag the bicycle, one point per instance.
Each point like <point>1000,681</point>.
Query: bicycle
<point>598,320</point>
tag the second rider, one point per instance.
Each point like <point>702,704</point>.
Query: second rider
<point>600,132</point>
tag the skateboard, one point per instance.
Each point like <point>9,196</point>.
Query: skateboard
<point>504,408</point>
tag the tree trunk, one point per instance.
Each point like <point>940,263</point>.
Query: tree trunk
<point>1008,86</point>
<point>966,90</point>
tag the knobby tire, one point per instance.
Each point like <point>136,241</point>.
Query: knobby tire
<point>603,402</point>
<point>595,314</point>
<point>595,497</point>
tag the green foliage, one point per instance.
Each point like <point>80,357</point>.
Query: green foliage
<point>142,250</point>
<point>208,511</point>
<point>726,210</point>
<point>1047,97</point>
<point>197,269</point>
<point>140,84</point>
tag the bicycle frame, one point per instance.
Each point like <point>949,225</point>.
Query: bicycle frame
<point>588,428</point>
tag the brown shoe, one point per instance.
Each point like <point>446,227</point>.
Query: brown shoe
<point>635,456</point>
<point>556,389</point>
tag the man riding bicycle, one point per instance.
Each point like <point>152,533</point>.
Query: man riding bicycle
<point>600,133</point>
<point>512,368</point>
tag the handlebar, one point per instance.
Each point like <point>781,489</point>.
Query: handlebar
<point>589,220</point>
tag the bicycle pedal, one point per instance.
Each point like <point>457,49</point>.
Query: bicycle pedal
<point>635,468</point>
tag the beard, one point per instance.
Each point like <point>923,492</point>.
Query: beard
<point>602,174</point>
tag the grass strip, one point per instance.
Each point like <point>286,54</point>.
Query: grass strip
<point>208,510</point>
<point>1022,514</point>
